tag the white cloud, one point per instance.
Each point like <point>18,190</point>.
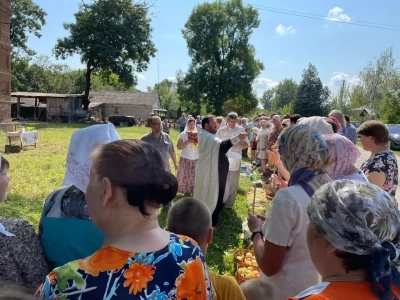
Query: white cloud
<point>141,77</point>
<point>338,77</point>
<point>264,83</point>
<point>282,30</point>
<point>172,78</point>
<point>282,61</point>
<point>337,14</point>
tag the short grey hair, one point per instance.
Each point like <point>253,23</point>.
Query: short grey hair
<point>232,116</point>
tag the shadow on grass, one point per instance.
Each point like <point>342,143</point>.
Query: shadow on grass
<point>227,238</point>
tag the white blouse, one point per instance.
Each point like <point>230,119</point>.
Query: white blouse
<point>191,151</point>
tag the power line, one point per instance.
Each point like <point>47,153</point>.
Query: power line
<point>320,17</point>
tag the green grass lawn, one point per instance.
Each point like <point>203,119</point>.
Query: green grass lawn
<point>37,172</point>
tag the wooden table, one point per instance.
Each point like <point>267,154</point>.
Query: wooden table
<point>27,138</point>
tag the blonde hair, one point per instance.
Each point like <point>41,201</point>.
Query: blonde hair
<point>256,289</point>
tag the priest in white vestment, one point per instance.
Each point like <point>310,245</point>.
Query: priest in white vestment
<point>213,166</point>
<point>224,133</point>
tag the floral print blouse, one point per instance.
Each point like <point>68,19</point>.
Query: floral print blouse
<point>384,163</point>
<point>176,272</point>
<point>22,259</point>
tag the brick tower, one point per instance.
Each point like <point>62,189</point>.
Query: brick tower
<point>5,61</point>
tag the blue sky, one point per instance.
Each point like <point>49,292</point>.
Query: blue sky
<point>284,43</point>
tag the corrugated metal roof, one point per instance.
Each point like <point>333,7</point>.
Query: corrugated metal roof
<point>119,97</point>
<point>45,95</point>
<point>27,102</point>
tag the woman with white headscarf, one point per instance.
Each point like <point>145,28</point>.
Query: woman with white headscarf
<point>188,143</point>
<point>65,228</point>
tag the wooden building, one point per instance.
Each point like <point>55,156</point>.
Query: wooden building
<point>59,107</point>
<point>5,60</point>
<point>110,103</point>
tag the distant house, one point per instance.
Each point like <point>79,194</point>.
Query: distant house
<point>110,103</point>
<point>56,107</point>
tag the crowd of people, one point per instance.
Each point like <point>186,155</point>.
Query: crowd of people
<point>332,230</point>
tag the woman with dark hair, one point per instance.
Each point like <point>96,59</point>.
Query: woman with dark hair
<point>353,240</point>
<point>138,259</point>
<point>22,259</point>
<point>381,167</point>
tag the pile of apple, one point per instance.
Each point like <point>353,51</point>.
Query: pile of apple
<point>247,267</point>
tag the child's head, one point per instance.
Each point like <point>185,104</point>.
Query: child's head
<point>191,217</point>
<point>255,289</point>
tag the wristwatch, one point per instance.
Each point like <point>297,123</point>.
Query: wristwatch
<point>254,233</point>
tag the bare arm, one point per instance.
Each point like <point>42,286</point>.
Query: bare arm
<point>173,157</point>
<point>376,178</point>
<point>269,256</point>
<point>181,144</point>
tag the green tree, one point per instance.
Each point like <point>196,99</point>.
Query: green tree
<point>312,97</point>
<point>241,105</point>
<point>27,18</point>
<point>266,99</point>
<point>223,66</point>
<point>167,90</point>
<point>112,37</point>
<point>22,77</point>
<point>285,93</point>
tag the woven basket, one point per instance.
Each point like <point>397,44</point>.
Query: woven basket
<point>239,278</point>
<point>242,252</point>
<point>269,191</point>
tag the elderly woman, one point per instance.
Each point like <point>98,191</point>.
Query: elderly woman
<point>65,228</point>
<point>337,116</point>
<point>279,239</point>
<point>138,259</point>
<point>344,155</point>
<point>381,167</point>
<point>188,143</point>
<point>353,240</point>
<point>22,259</point>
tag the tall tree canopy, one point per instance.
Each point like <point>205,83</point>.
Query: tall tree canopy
<point>111,37</point>
<point>312,96</point>
<point>223,66</point>
<point>167,90</point>
<point>285,93</point>
<point>27,18</point>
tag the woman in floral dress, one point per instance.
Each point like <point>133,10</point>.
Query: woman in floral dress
<point>187,142</point>
<point>138,259</point>
<point>381,167</point>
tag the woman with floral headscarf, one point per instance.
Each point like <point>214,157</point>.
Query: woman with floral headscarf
<point>344,155</point>
<point>279,239</point>
<point>353,239</point>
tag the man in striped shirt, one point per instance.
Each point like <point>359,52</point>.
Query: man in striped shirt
<point>351,131</point>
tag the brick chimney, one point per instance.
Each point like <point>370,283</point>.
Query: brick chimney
<point>5,61</point>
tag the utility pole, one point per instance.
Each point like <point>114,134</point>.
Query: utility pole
<point>341,96</point>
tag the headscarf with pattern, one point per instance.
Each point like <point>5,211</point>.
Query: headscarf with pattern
<point>363,219</point>
<point>305,155</point>
<point>344,155</point>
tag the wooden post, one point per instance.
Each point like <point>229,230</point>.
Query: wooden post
<point>35,110</point>
<point>18,106</point>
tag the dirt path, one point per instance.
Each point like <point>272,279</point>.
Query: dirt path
<point>364,156</point>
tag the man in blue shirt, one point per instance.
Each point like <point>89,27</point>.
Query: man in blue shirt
<point>351,131</point>
<point>182,122</point>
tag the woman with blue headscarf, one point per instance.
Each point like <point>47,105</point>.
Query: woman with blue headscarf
<point>353,237</point>
<point>280,238</point>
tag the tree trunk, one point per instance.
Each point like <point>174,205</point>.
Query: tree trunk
<point>87,86</point>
